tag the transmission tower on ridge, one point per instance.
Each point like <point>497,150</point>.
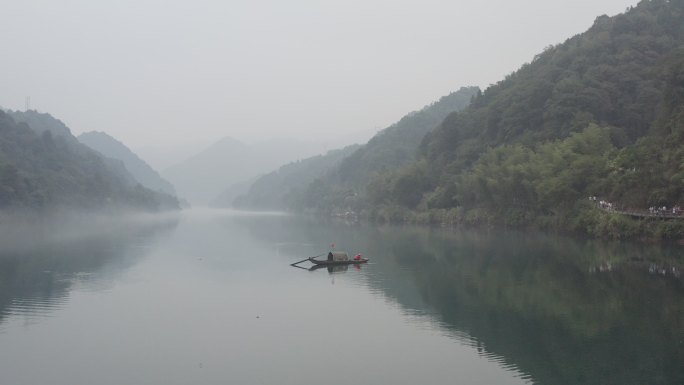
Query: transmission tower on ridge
<point>28,103</point>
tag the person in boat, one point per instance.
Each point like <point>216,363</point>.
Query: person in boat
<point>357,257</point>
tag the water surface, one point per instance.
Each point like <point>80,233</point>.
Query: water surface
<point>209,298</point>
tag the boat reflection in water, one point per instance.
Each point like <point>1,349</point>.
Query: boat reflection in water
<point>334,269</point>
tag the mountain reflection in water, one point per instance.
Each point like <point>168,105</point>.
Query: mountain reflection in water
<point>39,268</point>
<point>561,310</point>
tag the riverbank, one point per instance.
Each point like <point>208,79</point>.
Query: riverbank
<point>584,218</point>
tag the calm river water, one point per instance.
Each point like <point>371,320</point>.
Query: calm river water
<point>208,297</point>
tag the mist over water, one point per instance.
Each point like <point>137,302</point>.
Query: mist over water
<point>25,231</point>
<point>208,296</point>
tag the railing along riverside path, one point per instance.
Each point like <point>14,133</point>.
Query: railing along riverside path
<point>642,214</point>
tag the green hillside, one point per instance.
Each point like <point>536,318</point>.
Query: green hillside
<point>600,115</point>
<point>47,168</point>
<point>344,186</point>
<point>396,145</point>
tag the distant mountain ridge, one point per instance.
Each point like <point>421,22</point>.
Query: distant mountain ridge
<point>47,168</point>
<point>228,162</point>
<point>282,189</point>
<point>141,171</point>
<point>345,180</point>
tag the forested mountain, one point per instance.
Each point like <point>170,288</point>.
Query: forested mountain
<point>284,188</point>
<point>40,122</point>
<point>396,145</point>
<point>601,114</point>
<point>47,168</point>
<point>339,181</point>
<point>141,171</point>
<point>202,178</point>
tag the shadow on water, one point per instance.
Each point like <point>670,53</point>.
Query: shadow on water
<point>558,309</point>
<point>40,263</point>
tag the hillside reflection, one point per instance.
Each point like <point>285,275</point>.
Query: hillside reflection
<point>560,310</point>
<point>40,263</point>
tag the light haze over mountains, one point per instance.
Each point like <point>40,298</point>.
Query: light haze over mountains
<point>228,162</point>
<point>153,73</point>
<point>141,171</point>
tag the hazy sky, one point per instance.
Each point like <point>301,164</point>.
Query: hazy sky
<point>173,72</point>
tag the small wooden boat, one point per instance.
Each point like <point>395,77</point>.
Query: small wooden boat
<point>334,258</point>
<point>326,262</point>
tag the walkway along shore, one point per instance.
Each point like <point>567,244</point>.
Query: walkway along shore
<point>656,214</point>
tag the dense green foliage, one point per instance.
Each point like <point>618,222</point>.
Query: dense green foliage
<point>600,115</point>
<point>50,169</point>
<point>396,145</point>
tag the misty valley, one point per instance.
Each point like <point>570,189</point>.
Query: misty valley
<point>527,232</point>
